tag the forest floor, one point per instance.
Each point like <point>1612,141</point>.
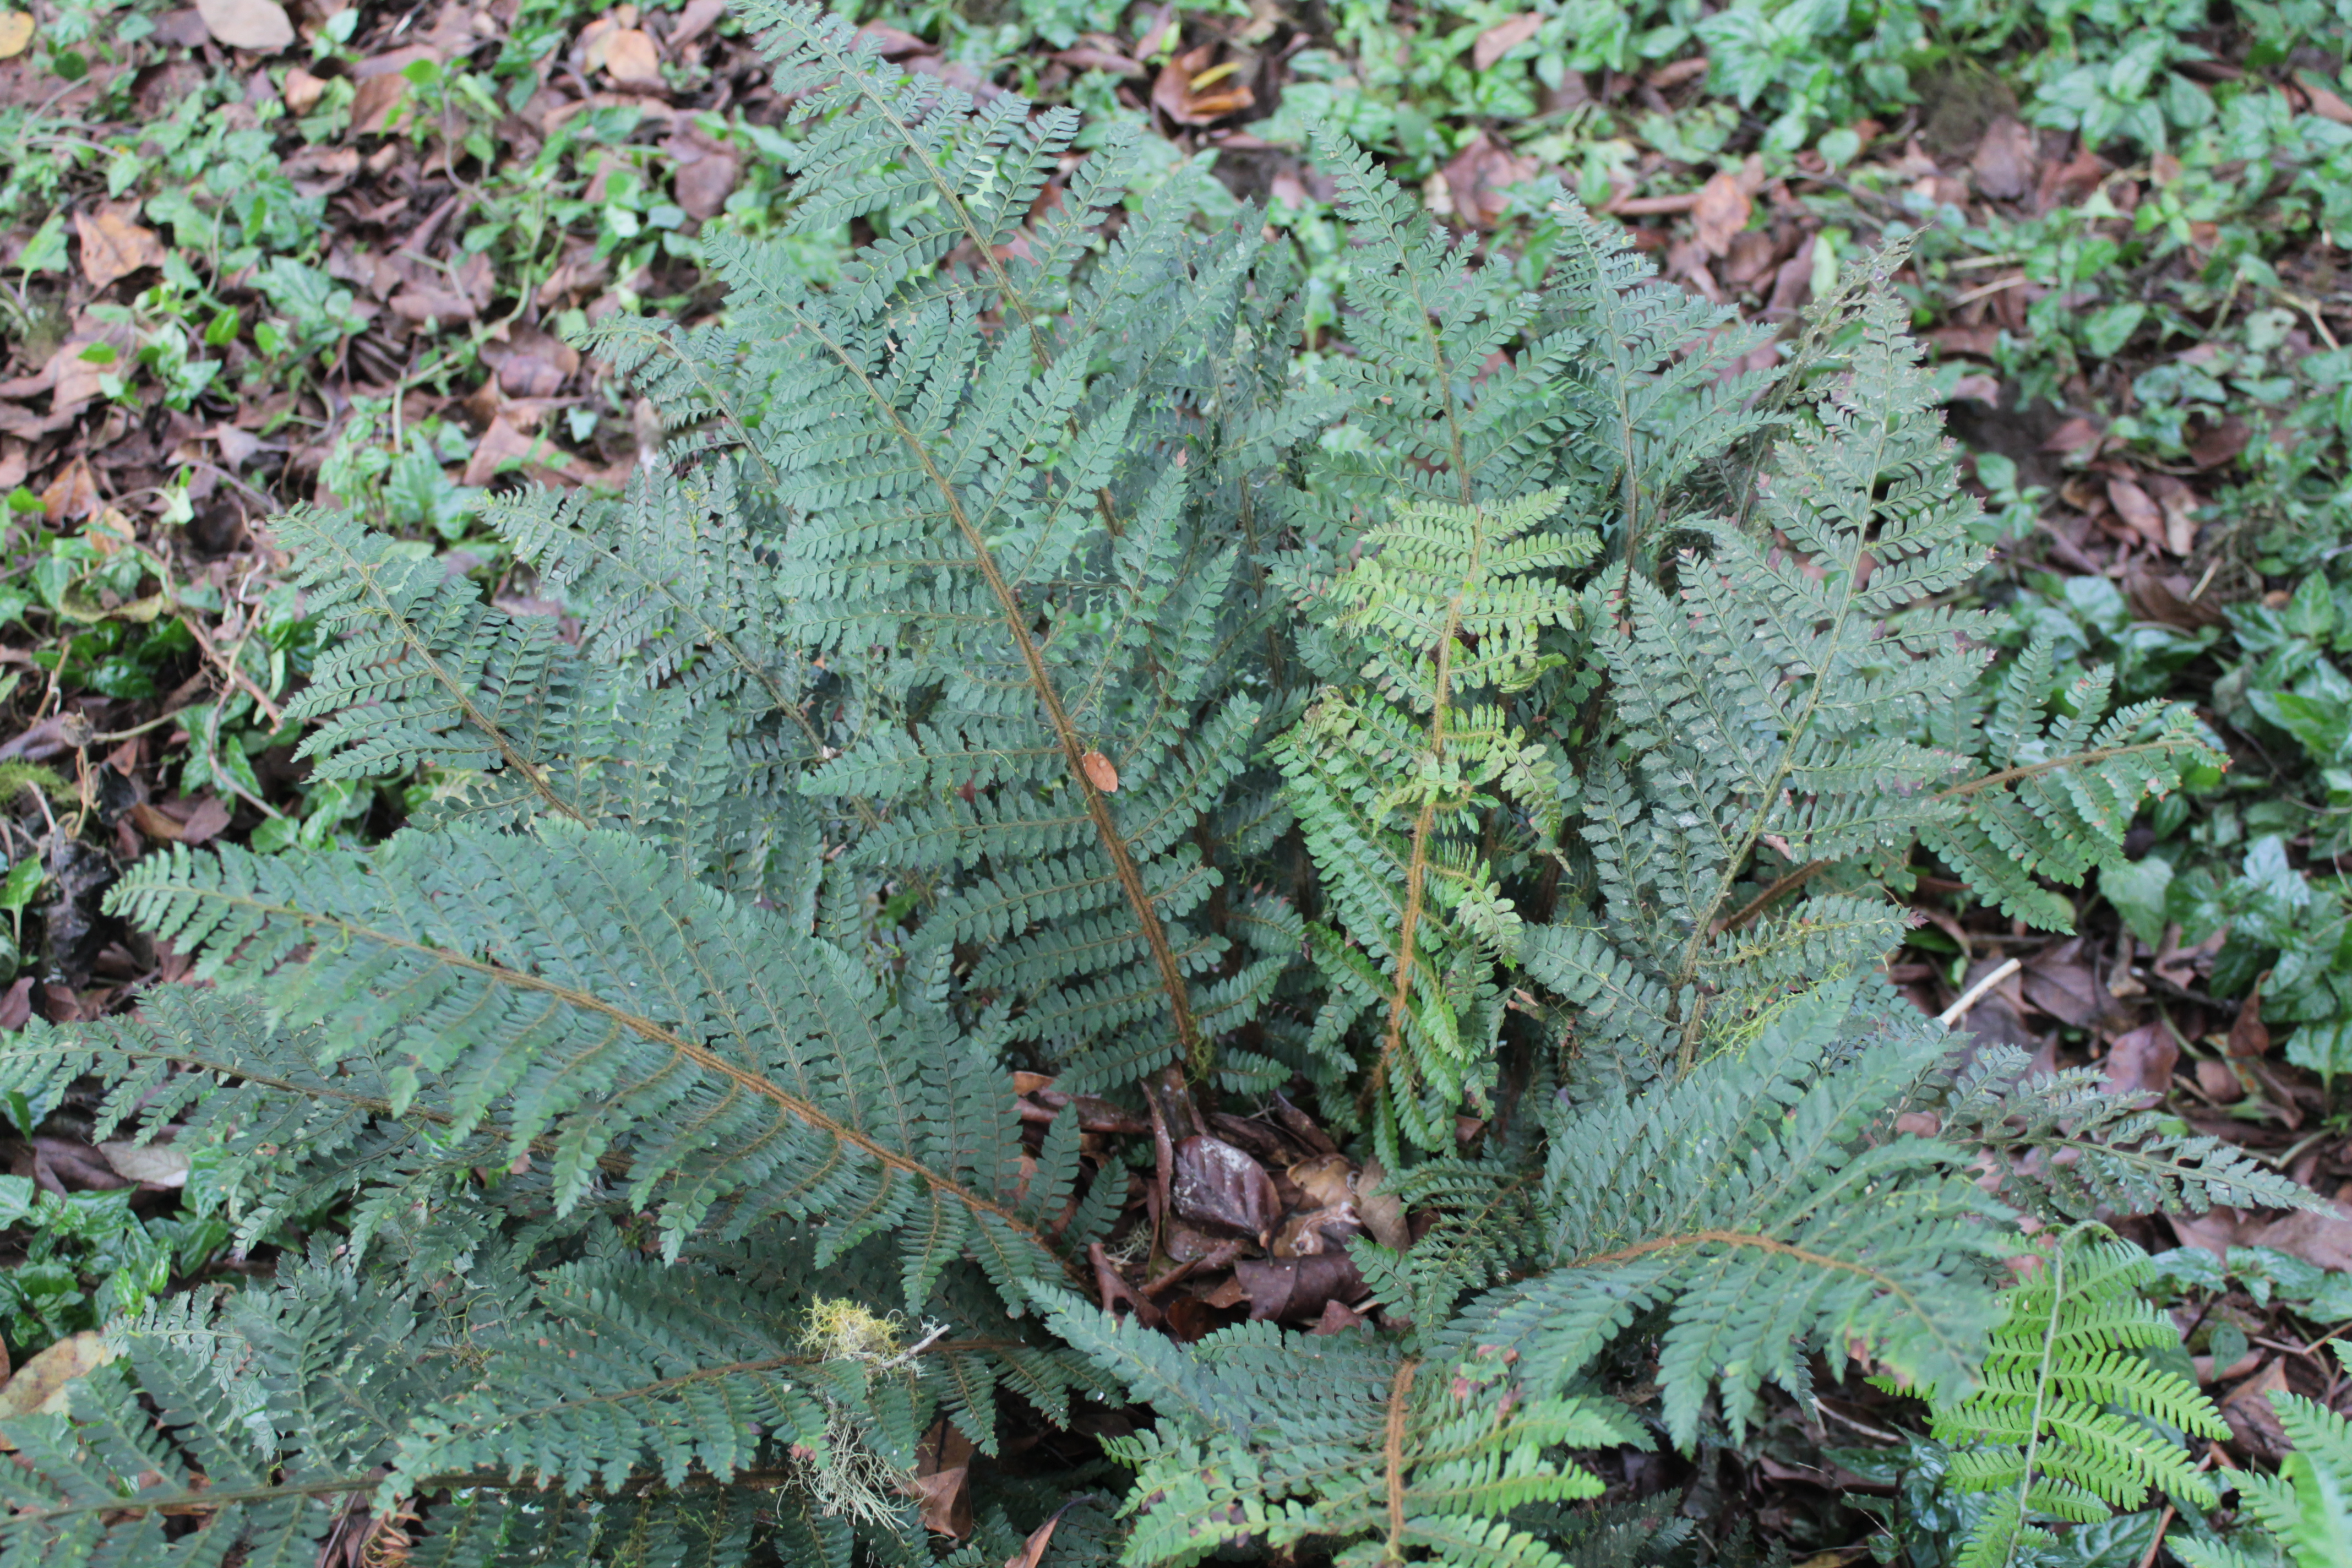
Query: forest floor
<point>255,256</point>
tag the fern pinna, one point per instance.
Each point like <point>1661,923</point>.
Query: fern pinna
<point>1504,749</point>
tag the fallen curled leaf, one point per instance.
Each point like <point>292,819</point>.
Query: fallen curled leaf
<point>2141,1061</point>
<point>38,1387</point>
<point>502,443</point>
<point>2249,1036</point>
<point>1033,1551</point>
<point>1296,1289</point>
<point>1722,212</point>
<point>1313,1231</point>
<point>2210,447</point>
<point>2062,987</point>
<point>2006,161</point>
<point>2167,600</point>
<point>261,26</point>
<point>155,823</point>
<point>1324,1179</point>
<point>1088,57</point>
<point>1381,1210</point>
<point>632,60</point>
<point>2138,510</point>
<point>1337,1318</point>
<point>15,33</point>
<point>1479,177</point>
<point>206,821</point>
<point>896,43</point>
<point>1191,92</point>
<point>1100,772</point>
<point>2218,1082</point>
<point>302,90</point>
<point>149,1164</point>
<point>2253,1421</point>
<point>73,493</point>
<point>2323,104</point>
<point>112,246</point>
<point>1503,38</point>
<point>1218,1186</point>
<point>2325,1239</point>
<point>703,186</point>
<point>943,1481</point>
<point>16,1004</point>
<point>2077,438</point>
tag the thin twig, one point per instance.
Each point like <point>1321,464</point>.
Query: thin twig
<point>1968,998</point>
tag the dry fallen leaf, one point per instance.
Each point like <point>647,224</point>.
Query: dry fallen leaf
<point>1099,770</point>
<point>112,246</point>
<point>302,91</point>
<point>703,186</point>
<point>2138,510</point>
<point>2006,164</point>
<point>1218,1186</point>
<point>1033,1551</point>
<point>1191,92</point>
<point>149,1164</point>
<point>631,59</point>
<point>1478,180</point>
<point>1296,1289</point>
<point>944,1480</point>
<point>2323,104</point>
<point>2249,1036</point>
<point>2253,1419</point>
<point>39,1386</point>
<point>1381,1212</point>
<point>2141,1061</point>
<point>1503,38</point>
<point>15,33</point>
<point>1722,211</point>
<point>257,25</point>
<point>2325,1239</point>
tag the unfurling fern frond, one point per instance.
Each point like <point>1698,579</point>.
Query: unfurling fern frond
<point>2071,1421</point>
<point>1391,787</point>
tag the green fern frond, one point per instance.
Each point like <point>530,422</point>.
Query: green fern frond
<point>2062,1422</point>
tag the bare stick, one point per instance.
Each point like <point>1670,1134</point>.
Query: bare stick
<point>1968,998</point>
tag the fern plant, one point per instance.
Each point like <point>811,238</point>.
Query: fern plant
<point>2068,1421</point>
<point>1512,745</point>
<point>2304,1512</point>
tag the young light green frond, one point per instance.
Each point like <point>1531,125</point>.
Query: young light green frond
<point>2307,1507</point>
<point>2061,1425</point>
<point>1392,791</point>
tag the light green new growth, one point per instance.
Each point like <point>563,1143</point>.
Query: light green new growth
<point>2307,1507</point>
<point>1391,786</point>
<point>2069,1421</point>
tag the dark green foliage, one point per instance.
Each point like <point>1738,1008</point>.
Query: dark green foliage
<point>1009,667</point>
